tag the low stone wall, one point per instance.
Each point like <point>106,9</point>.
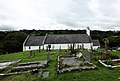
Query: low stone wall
<point>40,72</point>
<point>4,64</point>
<point>109,66</point>
<point>29,66</point>
<point>72,68</point>
<point>30,63</point>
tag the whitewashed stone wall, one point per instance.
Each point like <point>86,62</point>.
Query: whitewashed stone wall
<point>65,46</point>
<point>96,47</point>
<point>57,46</point>
<point>27,48</point>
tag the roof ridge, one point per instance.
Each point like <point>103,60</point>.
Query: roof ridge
<point>67,34</point>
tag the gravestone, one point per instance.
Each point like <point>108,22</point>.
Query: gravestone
<point>46,48</point>
<point>30,54</point>
<point>88,59</point>
<point>91,47</point>
<point>49,47</point>
<point>82,45</point>
<point>39,49</point>
<point>53,47</point>
<point>47,54</point>
<point>68,47</point>
<point>79,55</point>
<point>59,49</point>
<point>45,74</point>
<point>72,49</point>
<point>43,47</point>
<point>78,47</point>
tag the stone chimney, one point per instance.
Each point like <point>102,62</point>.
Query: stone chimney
<point>88,31</point>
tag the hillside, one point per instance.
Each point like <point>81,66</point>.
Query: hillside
<point>99,74</point>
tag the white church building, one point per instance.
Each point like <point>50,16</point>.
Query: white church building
<point>57,41</point>
<point>96,44</point>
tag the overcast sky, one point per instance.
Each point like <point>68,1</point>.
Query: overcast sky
<point>60,14</point>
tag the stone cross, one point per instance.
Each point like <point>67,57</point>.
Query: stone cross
<point>106,53</point>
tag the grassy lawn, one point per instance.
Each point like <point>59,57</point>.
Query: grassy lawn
<point>24,56</point>
<point>99,74</point>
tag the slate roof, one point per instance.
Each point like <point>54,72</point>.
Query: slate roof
<point>68,38</point>
<point>96,42</point>
<point>34,41</point>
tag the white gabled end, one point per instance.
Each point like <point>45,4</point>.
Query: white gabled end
<point>88,31</point>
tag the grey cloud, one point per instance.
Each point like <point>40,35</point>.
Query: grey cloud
<point>3,17</point>
<point>79,12</point>
<point>70,13</point>
<point>7,27</point>
<point>80,15</point>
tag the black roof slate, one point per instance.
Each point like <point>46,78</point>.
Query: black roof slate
<point>96,42</point>
<point>34,41</point>
<point>68,38</point>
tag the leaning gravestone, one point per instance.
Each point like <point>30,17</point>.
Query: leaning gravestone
<point>88,56</point>
<point>79,55</point>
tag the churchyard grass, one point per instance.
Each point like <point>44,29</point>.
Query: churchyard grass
<point>100,74</point>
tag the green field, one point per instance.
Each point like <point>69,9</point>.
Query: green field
<point>99,74</point>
